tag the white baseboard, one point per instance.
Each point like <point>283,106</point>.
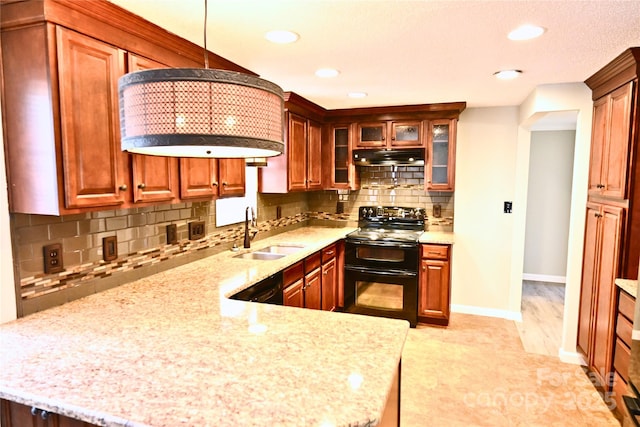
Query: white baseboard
<point>489,312</point>
<point>571,357</point>
<point>544,278</point>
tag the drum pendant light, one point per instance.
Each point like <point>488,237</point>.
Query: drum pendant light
<point>193,112</point>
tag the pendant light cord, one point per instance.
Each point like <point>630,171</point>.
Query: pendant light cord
<point>206,52</point>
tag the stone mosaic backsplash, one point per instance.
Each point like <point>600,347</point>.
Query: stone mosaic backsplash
<point>141,232</point>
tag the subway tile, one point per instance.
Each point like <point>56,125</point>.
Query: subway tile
<point>171,215</point>
<point>103,214</point>
<point>127,234</point>
<point>116,223</point>
<point>33,234</point>
<point>71,259</point>
<point>92,226</point>
<point>65,229</point>
<point>123,249</point>
<point>76,243</point>
<point>44,219</point>
<point>76,217</point>
<point>136,220</point>
<point>186,214</point>
<point>20,220</point>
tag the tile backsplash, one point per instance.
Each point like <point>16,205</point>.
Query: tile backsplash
<point>141,233</point>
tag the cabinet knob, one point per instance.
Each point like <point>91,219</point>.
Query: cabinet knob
<point>393,138</point>
<point>224,184</point>
<point>141,185</point>
<point>123,187</point>
<point>600,186</point>
<point>214,184</point>
<point>44,415</point>
<point>424,268</point>
<point>329,253</point>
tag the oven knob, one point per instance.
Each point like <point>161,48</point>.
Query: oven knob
<point>418,214</point>
<point>370,212</point>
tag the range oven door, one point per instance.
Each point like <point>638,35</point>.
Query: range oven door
<point>381,255</point>
<point>384,293</point>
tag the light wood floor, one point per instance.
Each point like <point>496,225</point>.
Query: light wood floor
<point>542,310</point>
<point>475,373</point>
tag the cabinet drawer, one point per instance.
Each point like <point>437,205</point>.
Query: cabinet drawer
<point>435,251</point>
<point>328,253</point>
<point>626,305</point>
<point>623,329</point>
<point>621,359</point>
<point>312,262</point>
<point>293,273</point>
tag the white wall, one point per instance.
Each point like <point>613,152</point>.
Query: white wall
<point>487,140</point>
<point>548,205</point>
<point>7,286</point>
<point>544,99</point>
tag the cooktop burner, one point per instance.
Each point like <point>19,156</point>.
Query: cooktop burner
<point>389,224</point>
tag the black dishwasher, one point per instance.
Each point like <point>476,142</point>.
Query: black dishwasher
<point>268,291</point>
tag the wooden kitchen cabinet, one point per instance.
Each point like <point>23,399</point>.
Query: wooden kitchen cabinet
<point>441,155</point>
<point>389,134</point>
<point>18,415</point>
<point>434,285</point>
<point>210,178</point>
<point>299,168</point>
<point>302,283</point>
<point>329,278</point>
<point>94,167</point>
<point>341,172</point>
<point>610,142</point>
<point>622,350</point>
<point>155,178</point>
<point>61,116</point>
<point>596,322</point>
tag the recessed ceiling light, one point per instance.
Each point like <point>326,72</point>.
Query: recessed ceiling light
<point>507,74</point>
<point>281,36</point>
<point>357,95</point>
<point>526,32</point>
<point>327,72</point>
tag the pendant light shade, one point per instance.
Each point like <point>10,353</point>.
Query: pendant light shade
<point>193,112</point>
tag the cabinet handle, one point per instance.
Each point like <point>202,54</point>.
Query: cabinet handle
<point>597,215</point>
<point>141,185</point>
<point>34,411</point>
<point>224,184</point>
<point>325,273</point>
<point>214,184</point>
<point>600,186</point>
<point>123,187</point>
<point>329,253</point>
<point>43,414</point>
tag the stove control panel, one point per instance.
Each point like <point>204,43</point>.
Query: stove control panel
<point>372,212</point>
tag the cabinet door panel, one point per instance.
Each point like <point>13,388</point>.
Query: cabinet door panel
<point>599,132</point>
<point>406,134</point>
<point>297,143</point>
<point>434,289</point>
<point>314,157</point>
<point>94,166</point>
<point>440,163</point>
<point>588,277</point>
<point>198,178</point>
<point>313,290</point>
<point>615,171</point>
<point>611,227</point>
<point>155,179</point>
<point>372,135</point>
<point>293,296</point>
<point>231,177</point>
<point>329,285</point>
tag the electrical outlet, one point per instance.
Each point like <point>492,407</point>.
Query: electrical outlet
<point>196,230</point>
<point>172,234</point>
<point>52,258</point>
<point>109,248</point>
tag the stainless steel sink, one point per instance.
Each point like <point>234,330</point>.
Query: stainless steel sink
<point>265,256</point>
<point>281,249</point>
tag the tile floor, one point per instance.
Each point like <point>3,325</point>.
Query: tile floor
<point>477,373</point>
<point>542,316</point>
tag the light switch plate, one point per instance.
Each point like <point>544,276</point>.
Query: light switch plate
<point>172,234</point>
<point>196,230</point>
<point>109,248</point>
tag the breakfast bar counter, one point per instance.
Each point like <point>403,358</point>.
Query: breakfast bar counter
<point>172,350</point>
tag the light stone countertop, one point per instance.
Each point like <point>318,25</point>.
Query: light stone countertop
<point>630,286</point>
<point>172,350</point>
<point>438,237</point>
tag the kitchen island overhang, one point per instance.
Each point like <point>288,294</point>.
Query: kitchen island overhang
<point>172,349</point>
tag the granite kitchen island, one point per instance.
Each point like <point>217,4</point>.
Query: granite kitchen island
<point>172,349</point>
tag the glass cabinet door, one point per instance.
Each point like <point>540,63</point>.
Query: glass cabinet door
<point>439,170</point>
<point>341,155</point>
<point>406,134</point>
<point>372,134</point>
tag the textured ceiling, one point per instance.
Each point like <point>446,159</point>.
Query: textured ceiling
<point>407,52</point>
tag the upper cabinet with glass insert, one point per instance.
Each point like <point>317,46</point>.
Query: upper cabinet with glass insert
<point>440,165</point>
<point>388,134</point>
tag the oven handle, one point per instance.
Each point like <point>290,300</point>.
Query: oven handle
<point>386,244</point>
<point>368,270</point>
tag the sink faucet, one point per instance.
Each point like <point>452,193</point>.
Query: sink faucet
<point>247,236</point>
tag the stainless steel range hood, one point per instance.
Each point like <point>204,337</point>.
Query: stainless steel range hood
<point>408,157</point>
